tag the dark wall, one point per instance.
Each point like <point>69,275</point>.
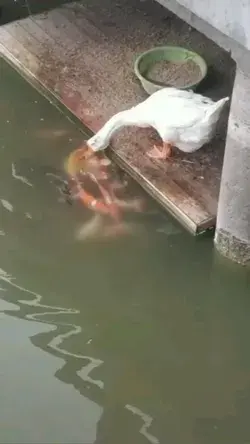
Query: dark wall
<point>11,10</point>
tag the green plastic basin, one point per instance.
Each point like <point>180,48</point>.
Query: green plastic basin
<point>172,54</point>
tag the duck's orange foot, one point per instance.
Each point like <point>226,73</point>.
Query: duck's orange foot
<point>160,153</point>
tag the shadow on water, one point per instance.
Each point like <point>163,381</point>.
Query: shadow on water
<point>157,338</point>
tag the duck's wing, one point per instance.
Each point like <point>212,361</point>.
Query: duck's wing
<point>176,113</point>
<point>170,107</point>
<point>166,93</point>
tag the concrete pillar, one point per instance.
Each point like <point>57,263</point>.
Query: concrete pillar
<point>232,237</point>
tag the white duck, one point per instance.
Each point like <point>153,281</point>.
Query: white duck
<point>182,118</point>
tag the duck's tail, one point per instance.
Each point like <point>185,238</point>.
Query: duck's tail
<point>214,111</point>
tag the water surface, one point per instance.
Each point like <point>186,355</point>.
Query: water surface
<point>143,339</point>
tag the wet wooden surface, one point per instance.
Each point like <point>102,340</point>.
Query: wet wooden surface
<point>84,53</point>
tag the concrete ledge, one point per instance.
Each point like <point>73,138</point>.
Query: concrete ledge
<point>232,247</point>
<point>198,23</point>
<point>238,52</point>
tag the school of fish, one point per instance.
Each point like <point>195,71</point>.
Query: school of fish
<point>107,220</point>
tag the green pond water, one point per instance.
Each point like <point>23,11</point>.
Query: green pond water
<point>139,339</point>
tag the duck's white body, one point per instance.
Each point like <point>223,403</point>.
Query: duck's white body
<point>182,118</point>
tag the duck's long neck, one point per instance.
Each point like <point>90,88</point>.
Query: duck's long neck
<point>101,139</point>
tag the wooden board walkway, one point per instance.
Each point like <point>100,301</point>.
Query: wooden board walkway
<point>84,52</point>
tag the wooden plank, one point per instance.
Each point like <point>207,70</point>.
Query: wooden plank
<point>83,52</point>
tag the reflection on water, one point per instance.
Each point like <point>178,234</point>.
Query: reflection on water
<point>140,340</point>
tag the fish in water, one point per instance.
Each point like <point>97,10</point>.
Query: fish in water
<point>97,230</point>
<point>77,164</point>
<point>78,167</point>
